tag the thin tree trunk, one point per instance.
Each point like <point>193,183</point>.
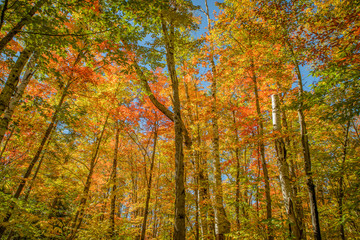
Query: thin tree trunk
<point>154,235</point>
<point>197,210</point>
<point>149,184</point>
<point>245,193</point>
<point>35,158</point>
<point>290,155</point>
<point>285,182</point>
<point>306,153</point>
<point>262,152</point>
<point>237,179</point>
<point>341,183</point>
<point>179,227</point>
<point>79,215</point>
<point>14,102</point>
<point>114,183</point>
<point>17,28</point>
<point>222,224</point>
<point>257,191</point>
<point>13,79</point>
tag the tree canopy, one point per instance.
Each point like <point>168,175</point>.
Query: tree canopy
<point>165,119</point>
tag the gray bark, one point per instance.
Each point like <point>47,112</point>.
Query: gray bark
<point>262,152</point>
<point>222,224</point>
<point>306,154</point>
<point>285,181</point>
<point>13,79</point>
<point>14,102</point>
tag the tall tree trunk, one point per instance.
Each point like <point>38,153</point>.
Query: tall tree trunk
<point>197,210</point>
<point>237,178</point>
<point>79,215</point>
<point>14,102</point>
<point>35,158</point>
<point>149,183</point>
<point>341,183</point>
<point>114,182</point>
<point>9,36</point>
<point>179,227</point>
<point>289,144</point>
<point>13,79</point>
<point>285,181</point>
<point>306,151</point>
<point>262,152</point>
<point>222,224</point>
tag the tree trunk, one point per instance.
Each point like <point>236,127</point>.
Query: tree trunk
<point>341,183</point>
<point>237,178</point>
<point>17,28</point>
<point>290,155</point>
<point>114,183</point>
<point>149,183</point>
<point>196,164</point>
<point>285,182</point>
<point>307,160</point>
<point>13,79</point>
<point>306,150</point>
<point>197,210</point>
<point>262,152</point>
<point>14,102</point>
<point>222,224</point>
<point>35,158</point>
<point>179,227</point>
<point>79,215</point>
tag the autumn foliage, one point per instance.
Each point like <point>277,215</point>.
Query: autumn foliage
<point>165,120</point>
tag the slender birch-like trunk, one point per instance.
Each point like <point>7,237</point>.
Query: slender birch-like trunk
<point>262,151</point>
<point>306,151</point>
<point>285,182</point>
<point>14,102</point>
<point>222,224</point>
<point>13,79</point>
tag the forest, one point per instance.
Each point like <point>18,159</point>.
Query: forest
<point>179,119</point>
